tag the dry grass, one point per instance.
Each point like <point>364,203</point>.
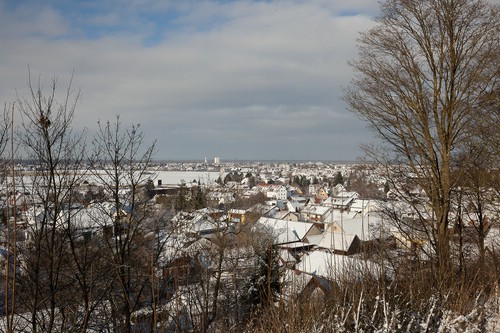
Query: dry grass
<point>410,301</point>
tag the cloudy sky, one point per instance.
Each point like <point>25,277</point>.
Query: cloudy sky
<point>235,79</point>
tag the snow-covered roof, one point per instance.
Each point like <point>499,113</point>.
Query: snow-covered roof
<point>334,266</point>
<point>332,240</point>
<point>316,209</point>
<point>337,201</point>
<point>356,226</point>
<point>356,223</point>
<point>286,231</point>
<point>279,214</point>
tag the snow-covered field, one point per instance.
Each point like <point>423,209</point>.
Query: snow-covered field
<point>176,177</point>
<point>166,177</point>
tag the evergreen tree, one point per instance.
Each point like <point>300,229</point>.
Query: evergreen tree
<point>338,179</point>
<point>265,284</point>
<point>199,199</point>
<point>150,186</point>
<point>251,182</point>
<point>180,202</point>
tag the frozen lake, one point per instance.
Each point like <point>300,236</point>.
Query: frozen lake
<point>176,177</point>
<point>166,177</point>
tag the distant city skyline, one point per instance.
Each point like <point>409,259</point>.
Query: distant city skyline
<point>240,80</point>
<point>243,161</point>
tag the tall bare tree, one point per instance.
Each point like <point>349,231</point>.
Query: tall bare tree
<point>422,73</point>
<point>45,136</point>
<point>4,128</point>
<point>119,162</point>
<point>6,180</point>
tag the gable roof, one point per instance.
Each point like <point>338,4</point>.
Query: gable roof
<point>287,231</point>
<point>334,266</point>
<point>333,240</point>
<point>316,209</point>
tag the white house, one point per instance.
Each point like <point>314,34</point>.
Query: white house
<point>286,232</point>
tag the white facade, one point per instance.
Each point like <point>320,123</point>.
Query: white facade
<point>278,192</point>
<point>281,193</point>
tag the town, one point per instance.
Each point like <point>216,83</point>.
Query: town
<point>193,250</point>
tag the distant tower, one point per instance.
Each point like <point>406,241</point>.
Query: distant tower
<point>205,160</point>
<point>216,160</point>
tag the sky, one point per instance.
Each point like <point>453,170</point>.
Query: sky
<point>240,80</point>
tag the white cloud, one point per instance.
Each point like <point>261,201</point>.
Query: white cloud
<point>26,20</point>
<point>231,74</point>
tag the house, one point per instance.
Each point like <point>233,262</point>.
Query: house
<point>93,220</point>
<point>220,197</point>
<point>181,259</point>
<point>336,267</point>
<point>338,242</point>
<point>236,215</point>
<point>339,188</point>
<point>198,223</point>
<point>282,193</point>
<point>294,206</point>
<point>88,222</point>
<point>286,232</point>
<point>279,192</point>
<point>340,203</point>
<point>363,223</point>
<point>214,213</point>
<point>316,214</point>
<point>317,287</point>
<point>312,189</point>
<point>280,210</point>
<point>276,213</point>
<point>291,216</point>
<point>274,191</point>
<point>320,193</point>
<point>319,272</point>
<point>304,287</point>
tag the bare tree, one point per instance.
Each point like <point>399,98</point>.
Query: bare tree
<point>119,162</point>
<point>206,299</point>
<point>45,136</point>
<point>422,73</point>
<point>7,180</point>
<point>5,128</point>
<point>476,199</point>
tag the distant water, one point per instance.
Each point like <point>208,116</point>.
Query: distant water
<point>177,177</point>
<point>166,177</point>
